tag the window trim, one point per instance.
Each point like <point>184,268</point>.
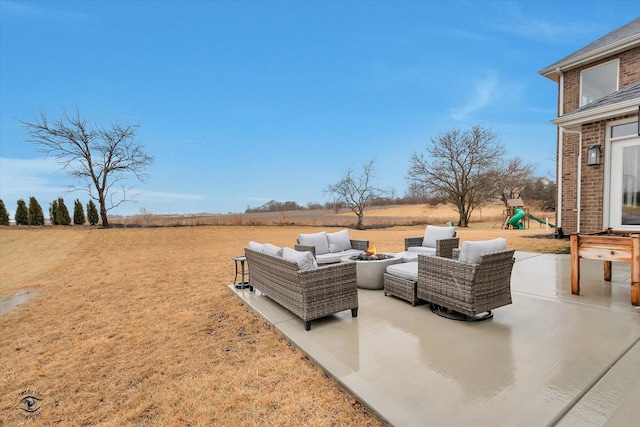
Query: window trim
<point>617,61</point>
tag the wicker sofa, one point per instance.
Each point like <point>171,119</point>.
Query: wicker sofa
<point>329,248</point>
<point>309,294</point>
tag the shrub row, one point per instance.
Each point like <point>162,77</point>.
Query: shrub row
<point>58,213</point>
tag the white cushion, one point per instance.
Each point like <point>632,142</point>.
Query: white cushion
<point>408,256</point>
<point>319,240</point>
<point>422,250</point>
<point>255,246</point>
<point>339,241</point>
<point>470,251</point>
<point>434,232</point>
<point>272,250</point>
<point>330,258</point>
<point>406,270</point>
<point>304,259</point>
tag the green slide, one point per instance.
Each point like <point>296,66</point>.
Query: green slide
<point>516,218</point>
<point>535,218</point>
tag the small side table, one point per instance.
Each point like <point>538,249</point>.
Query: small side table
<point>242,272</point>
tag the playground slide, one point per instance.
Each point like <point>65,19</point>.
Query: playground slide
<point>541,221</point>
<point>515,219</point>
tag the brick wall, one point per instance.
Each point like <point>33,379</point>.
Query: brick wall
<point>591,197</point>
<point>592,179</point>
<point>630,67</point>
<point>569,179</point>
<point>629,73</point>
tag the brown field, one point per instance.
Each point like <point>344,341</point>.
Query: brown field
<point>379,216</point>
<point>137,326</point>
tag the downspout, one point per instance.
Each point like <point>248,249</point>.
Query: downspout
<point>560,146</point>
<point>579,174</point>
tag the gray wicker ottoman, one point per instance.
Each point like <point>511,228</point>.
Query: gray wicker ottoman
<point>400,281</point>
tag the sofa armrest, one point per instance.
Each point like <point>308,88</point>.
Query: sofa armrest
<point>303,248</point>
<point>445,247</point>
<point>361,245</point>
<point>412,241</point>
<point>328,278</point>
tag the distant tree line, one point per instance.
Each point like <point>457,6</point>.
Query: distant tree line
<point>532,189</point>
<point>58,213</point>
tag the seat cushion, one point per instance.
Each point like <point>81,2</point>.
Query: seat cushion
<point>304,259</point>
<point>339,241</point>
<point>470,252</point>
<point>434,232</point>
<point>406,270</point>
<point>319,240</point>
<point>335,257</point>
<point>422,250</point>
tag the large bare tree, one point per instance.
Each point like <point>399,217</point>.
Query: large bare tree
<point>356,191</point>
<point>458,168</point>
<point>99,156</point>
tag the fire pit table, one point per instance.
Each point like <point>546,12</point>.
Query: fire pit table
<point>370,268</point>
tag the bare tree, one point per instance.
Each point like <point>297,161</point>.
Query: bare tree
<point>356,191</point>
<point>511,178</point>
<point>458,168</point>
<point>99,156</point>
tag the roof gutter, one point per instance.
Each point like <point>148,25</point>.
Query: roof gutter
<point>596,114</point>
<point>550,72</point>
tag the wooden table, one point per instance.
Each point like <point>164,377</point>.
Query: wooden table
<point>608,246</point>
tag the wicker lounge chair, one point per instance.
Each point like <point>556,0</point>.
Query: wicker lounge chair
<point>400,280</point>
<point>436,241</point>
<point>466,291</point>
<point>309,294</point>
<point>444,247</point>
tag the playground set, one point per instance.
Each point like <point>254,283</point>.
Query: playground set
<point>517,216</point>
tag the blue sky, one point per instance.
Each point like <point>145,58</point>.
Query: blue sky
<point>242,102</point>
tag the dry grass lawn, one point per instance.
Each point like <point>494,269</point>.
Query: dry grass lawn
<point>137,326</point>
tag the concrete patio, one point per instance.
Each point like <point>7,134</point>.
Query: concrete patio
<point>550,358</point>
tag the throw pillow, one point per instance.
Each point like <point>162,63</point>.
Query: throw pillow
<point>470,252</point>
<point>255,246</point>
<point>434,232</point>
<point>272,250</point>
<point>319,240</point>
<point>339,241</point>
<point>304,259</point>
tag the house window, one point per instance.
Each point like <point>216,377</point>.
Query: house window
<point>626,129</point>
<point>598,81</point>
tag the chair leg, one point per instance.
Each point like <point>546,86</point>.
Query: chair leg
<point>307,325</point>
<point>354,312</point>
<point>454,315</point>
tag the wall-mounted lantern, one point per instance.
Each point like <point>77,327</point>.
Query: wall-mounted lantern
<point>593,156</point>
